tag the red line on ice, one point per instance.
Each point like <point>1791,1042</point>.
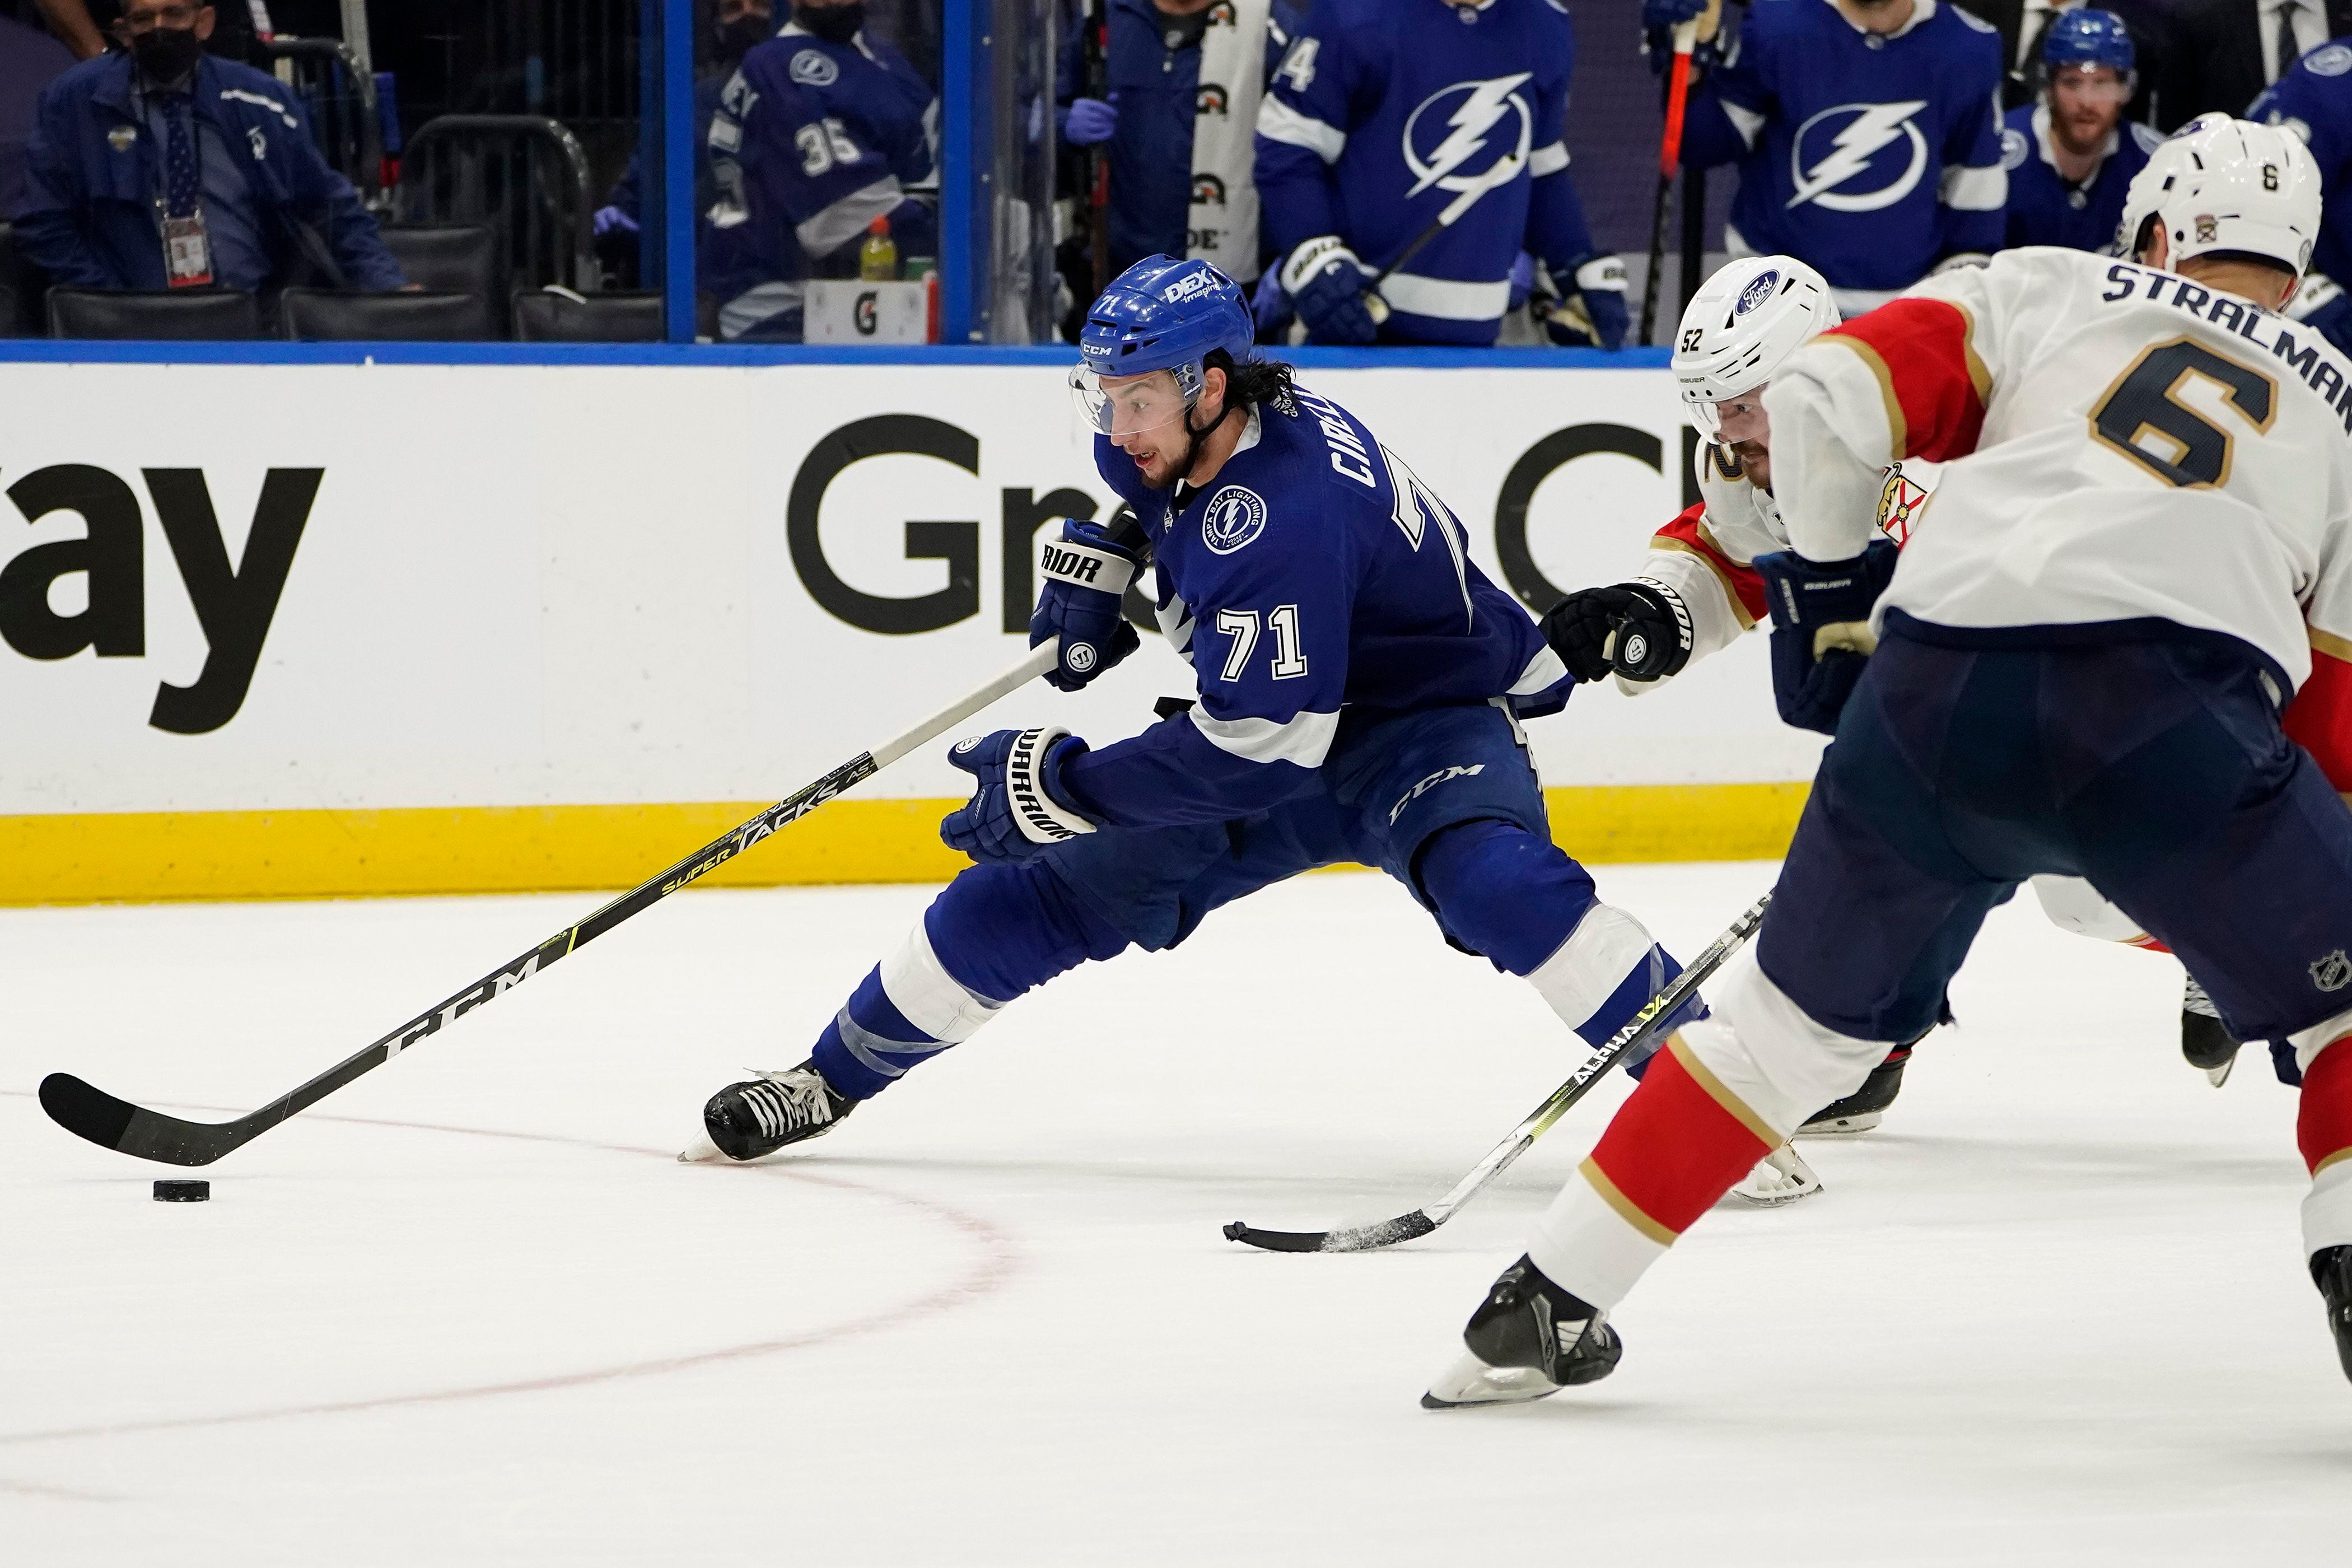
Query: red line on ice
<point>999,1258</point>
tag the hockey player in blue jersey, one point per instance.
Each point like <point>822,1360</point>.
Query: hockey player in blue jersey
<point>824,129</point>
<point>2315,102</point>
<point>1867,136</point>
<point>1424,136</point>
<point>1360,682</point>
<point>2070,157</point>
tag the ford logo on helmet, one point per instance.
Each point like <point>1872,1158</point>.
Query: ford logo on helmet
<point>1758,290</point>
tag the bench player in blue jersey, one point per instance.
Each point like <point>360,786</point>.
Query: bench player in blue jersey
<point>1415,145</point>
<point>2315,102</point>
<point>1361,685</point>
<point>1867,134</point>
<point>2070,157</point>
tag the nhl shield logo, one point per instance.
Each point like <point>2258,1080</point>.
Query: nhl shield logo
<point>1234,516</point>
<point>2332,972</point>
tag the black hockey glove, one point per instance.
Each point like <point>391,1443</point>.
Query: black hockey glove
<point>1019,808</point>
<point>1820,634</point>
<point>1640,630</point>
<point>1085,572</point>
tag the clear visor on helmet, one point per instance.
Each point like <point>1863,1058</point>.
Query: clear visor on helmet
<point>2093,84</point>
<point>1730,419</point>
<point>1131,405</point>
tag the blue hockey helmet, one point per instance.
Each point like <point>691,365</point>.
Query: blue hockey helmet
<point>2088,37</point>
<point>1159,315</point>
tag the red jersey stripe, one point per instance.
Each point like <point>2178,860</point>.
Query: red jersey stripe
<point>1673,1149</point>
<point>1933,382</point>
<point>2319,719</point>
<point>1741,585</point>
<point>2323,1123</point>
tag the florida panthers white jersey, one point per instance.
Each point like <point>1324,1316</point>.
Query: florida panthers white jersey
<point>1705,554</point>
<point>2125,446</point>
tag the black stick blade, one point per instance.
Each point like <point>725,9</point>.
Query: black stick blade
<point>1276,1240</point>
<point>110,1123</point>
<point>1347,1238</point>
<point>85,1111</point>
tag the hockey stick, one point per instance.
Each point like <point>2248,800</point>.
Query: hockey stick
<point>93,1113</point>
<point>1427,1219</point>
<point>1670,157</point>
<point>1097,74</point>
<point>1378,307</point>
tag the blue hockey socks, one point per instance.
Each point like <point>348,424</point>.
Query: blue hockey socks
<point>1522,903</point>
<point>993,933</point>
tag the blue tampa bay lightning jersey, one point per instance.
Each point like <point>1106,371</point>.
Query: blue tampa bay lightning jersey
<point>1315,570</point>
<point>1870,156</point>
<point>813,141</point>
<point>2315,100</point>
<point>1388,115</point>
<point>2047,208</point>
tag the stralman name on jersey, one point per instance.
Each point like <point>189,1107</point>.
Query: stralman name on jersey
<point>1870,156</point>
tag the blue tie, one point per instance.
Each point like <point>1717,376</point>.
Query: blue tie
<point>179,158</point>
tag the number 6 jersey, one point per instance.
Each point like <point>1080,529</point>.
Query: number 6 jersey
<point>2125,451</point>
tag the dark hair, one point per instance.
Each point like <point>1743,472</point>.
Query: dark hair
<point>1260,381</point>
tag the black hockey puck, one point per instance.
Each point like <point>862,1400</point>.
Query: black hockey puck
<point>183,1192</point>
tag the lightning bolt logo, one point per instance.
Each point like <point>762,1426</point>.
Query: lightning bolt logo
<point>1483,105</point>
<point>1872,127</point>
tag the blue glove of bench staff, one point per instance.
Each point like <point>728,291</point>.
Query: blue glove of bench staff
<point>1820,633</point>
<point>1018,808</point>
<point>1325,284</point>
<point>1085,575</point>
<point>1091,121</point>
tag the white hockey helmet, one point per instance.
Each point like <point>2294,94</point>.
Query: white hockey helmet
<point>1741,324</point>
<point>2219,183</point>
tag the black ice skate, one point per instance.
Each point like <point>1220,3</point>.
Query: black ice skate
<point>1866,1107</point>
<point>762,1115</point>
<point>2205,1040</point>
<point>2331,1270</point>
<point>1527,1339</point>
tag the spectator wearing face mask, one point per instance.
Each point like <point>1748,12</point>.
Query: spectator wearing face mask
<point>822,131</point>
<point>2070,157</point>
<point>737,28</point>
<point>163,167</point>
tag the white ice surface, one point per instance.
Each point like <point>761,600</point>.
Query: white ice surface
<point>469,1311</point>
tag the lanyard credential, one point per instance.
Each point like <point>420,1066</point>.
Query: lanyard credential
<point>179,213</point>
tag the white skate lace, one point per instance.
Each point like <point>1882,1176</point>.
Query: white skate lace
<point>787,1104</point>
<point>2194,1000</point>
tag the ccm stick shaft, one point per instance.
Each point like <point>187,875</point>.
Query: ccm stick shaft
<point>1421,1221</point>
<point>1670,157</point>
<point>93,1113</point>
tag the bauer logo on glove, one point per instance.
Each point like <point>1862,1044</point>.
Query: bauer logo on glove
<point>1087,573</point>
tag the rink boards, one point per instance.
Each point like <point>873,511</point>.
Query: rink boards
<point>311,628</point>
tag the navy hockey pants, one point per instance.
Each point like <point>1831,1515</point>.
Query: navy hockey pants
<point>1390,787</point>
<point>2156,769</point>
